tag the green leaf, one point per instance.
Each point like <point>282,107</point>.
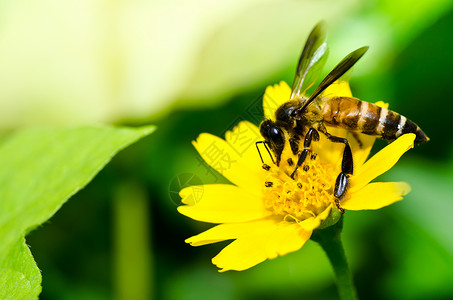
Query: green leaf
<point>40,170</point>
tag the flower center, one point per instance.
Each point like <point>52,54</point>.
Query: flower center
<point>305,196</point>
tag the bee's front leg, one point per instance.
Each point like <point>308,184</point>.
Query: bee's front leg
<point>312,134</point>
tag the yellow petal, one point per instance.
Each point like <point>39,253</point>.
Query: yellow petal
<point>249,251</point>
<point>381,162</point>
<point>242,139</point>
<point>230,231</point>
<point>360,151</point>
<point>313,223</point>
<point>275,96</point>
<point>376,195</point>
<point>287,238</point>
<point>329,152</point>
<point>338,88</point>
<point>221,203</point>
<point>217,153</point>
<point>333,152</point>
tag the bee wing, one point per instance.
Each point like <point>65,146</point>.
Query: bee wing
<point>311,60</point>
<point>336,73</point>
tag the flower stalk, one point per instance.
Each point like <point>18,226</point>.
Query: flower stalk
<point>330,240</point>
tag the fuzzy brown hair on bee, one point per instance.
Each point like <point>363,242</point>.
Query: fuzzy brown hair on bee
<point>300,120</point>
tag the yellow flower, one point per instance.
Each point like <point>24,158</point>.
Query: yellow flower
<point>266,212</point>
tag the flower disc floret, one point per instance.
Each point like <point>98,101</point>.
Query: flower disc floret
<point>306,196</point>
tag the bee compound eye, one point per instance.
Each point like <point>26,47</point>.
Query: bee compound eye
<point>272,133</point>
<point>276,135</point>
<point>265,128</point>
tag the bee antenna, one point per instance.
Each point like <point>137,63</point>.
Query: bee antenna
<point>268,151</point>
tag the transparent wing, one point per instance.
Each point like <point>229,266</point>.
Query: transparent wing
<point>311,60</point>
<point>336,73</point>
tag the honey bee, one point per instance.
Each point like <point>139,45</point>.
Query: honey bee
<point>300,120</point>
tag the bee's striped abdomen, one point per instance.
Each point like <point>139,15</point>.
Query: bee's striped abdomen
<point>355,115</point>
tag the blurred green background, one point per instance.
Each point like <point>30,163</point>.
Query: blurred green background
<point>202,66</point>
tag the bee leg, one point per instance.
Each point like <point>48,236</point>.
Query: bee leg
<point>346,170</point>
<point>312,134</point>
<point>294,144</point>
<point>300,161</point>
<point>340,188</point>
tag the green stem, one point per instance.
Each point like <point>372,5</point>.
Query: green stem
<point>132,250</point>
<point>330,240</point>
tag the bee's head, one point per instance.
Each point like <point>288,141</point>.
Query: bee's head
<point>274,136</point>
